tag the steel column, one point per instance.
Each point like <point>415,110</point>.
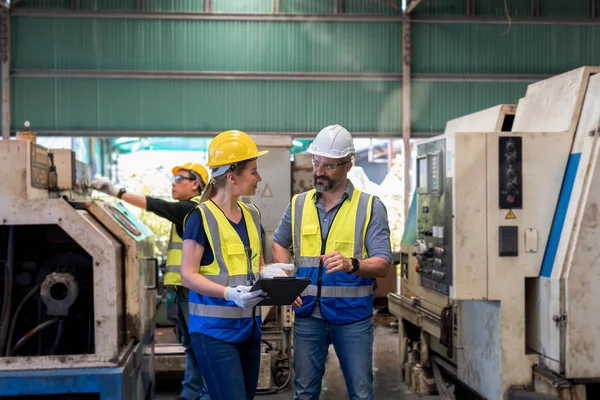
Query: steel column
<point>535,8</point>
<point>338,7</point>
<point>471,7</point>
<point>5,70</point>
<point>406,55</point>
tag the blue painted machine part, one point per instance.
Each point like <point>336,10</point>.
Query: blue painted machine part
<point>112,383</point>
<point>560,215</point>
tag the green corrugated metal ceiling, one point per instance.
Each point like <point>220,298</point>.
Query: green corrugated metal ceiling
<point>364,56</point>
<point>205,105</point>
<point>432,105</point>
<point>516,8</point>
<point>170,45</point>
<point>486,48</point>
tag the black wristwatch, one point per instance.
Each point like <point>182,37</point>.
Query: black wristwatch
<point>122,191</point>
<point>355,265</point>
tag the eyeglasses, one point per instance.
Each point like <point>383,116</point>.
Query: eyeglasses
<point>327,167</point>
<point>249,258</point>
<point>180,178</point>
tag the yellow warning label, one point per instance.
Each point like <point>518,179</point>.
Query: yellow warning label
<point>267,192</point>
<point>510,215</point>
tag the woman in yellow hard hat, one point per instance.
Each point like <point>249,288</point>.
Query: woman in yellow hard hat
<point>222,257</point>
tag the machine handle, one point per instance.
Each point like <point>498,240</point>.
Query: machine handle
<point>155,286</point>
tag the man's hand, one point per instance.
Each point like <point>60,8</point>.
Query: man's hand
<point>276,270</point>
<point>335,262</point>
<point>105,186</point>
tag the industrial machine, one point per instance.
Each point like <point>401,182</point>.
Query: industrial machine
<point>500,267</point>
<point>78,284</point>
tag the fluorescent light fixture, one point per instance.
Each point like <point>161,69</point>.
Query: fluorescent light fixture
<point>124,139</point>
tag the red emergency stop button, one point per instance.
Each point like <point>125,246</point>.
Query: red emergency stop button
<point>417,267</point>
<point>510,198</point>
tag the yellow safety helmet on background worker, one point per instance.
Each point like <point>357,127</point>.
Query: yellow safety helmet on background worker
<point>231,147</point>
<point>195,168</point>
<point>174,254</point>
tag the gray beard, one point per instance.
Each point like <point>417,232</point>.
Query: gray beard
<point>326,187</point>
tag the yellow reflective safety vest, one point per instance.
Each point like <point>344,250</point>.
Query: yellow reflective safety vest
<point>233,265</point>
<point>343,297</point>
<point>173,267</point>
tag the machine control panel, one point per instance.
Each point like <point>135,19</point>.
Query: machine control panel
<point>510,172</point>
<point>434,218</point>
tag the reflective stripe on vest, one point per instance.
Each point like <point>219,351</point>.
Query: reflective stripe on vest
<point>339,291</point>
<point>204,310</point>
<point>173,265</point>
<point>343,297</point>
<point>217,317</point>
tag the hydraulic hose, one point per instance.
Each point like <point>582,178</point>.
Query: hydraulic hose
<point>8,283</point>
<point>13,324</point>
<point>31,334</point>
<point>59,333</point>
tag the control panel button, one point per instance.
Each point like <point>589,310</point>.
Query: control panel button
<point>437,274</point>
<point>511,157</point>
<point>510,172</point>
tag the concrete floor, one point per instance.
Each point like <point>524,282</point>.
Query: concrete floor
<point>386,373</point>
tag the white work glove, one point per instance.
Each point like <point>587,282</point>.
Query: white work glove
<point>243,297</point>
<point>105,186</point>
<point>276,270</point>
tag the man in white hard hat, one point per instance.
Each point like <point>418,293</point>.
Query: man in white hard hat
<point>341,241</point>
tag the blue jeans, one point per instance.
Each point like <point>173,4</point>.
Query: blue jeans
<point>353,344</point>
<point>230,370</point>
<point>194,387</point>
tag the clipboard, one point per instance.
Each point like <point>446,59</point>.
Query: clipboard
<point>281,291</point>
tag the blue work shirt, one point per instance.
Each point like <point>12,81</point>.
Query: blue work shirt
<point>377,240</point>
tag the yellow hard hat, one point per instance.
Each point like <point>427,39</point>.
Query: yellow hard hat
<point>231,147</point>
<point>193,167</point>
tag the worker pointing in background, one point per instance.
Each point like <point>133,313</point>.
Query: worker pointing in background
<point>341,241</point>
<point>187,184</point>
<point>222,258</point>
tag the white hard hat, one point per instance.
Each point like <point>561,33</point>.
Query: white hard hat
<point>334,141</point>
